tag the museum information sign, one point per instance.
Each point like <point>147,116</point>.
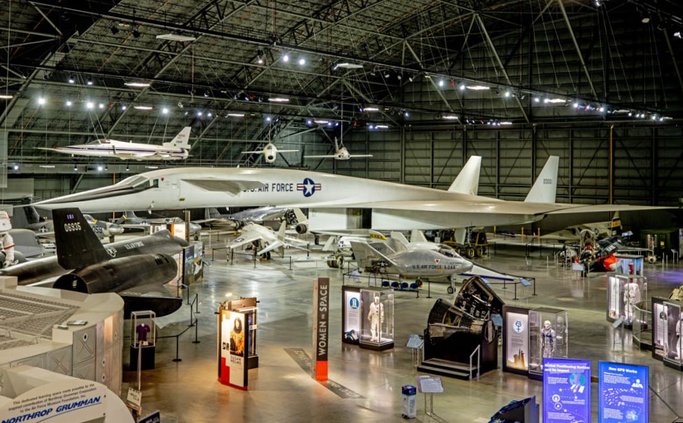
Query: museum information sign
<point>566,390</point>
<point>623,393</point>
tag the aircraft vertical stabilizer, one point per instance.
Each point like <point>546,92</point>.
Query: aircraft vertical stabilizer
<point>182,140</point>
<point>77,244</point>
<point>467,181</point>
<point>417,235</point>
<point>400,238</point>
<point>544,189</point>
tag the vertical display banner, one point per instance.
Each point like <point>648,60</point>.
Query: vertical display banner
<point>321,314</point>
<point>566,390</point>
<point>239,339</point>
<point>623,393</point>
<point>224,346</point>
<point>351,315</point>
<point>516,340</point>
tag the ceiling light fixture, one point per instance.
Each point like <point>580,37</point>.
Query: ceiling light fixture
<point>72,79</point>
<point>371,109</point>
<point>346,65</point>
<point>41,101</point>
<point>285,58</point>
<point>302,61</point>
<point>278,100</point>
<point>6,96</point>
<point>478,87</point>
<point>450,117</point>
<point>137,84</point>
<point>143,107</point>
<point>176,37</point>
<point>235,115</point>
<point>89,82</point>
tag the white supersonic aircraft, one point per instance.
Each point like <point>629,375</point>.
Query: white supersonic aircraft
<point>340,153</point>
<point>177,149</point>
<point>269,152</point>
<point>334,201</point>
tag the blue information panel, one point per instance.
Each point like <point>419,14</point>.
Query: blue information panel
<point>566,390</point>
<point>623,392</point>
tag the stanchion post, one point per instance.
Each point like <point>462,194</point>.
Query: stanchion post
<point>196,330</point>
<point>177,358</point>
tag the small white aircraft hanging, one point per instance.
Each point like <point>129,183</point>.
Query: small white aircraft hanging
<point>177,149</point>
<point>269,152</point>
<point>340,153</point>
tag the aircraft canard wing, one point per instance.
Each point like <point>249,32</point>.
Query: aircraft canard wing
<point>319,156</point>
<point>271,246</point>
<point>233,187</point>
<point>358,156</point>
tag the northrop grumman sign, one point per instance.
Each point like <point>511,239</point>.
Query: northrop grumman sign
<point>321,302</point>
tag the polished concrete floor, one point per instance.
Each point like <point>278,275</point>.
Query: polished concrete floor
<point>281,391</point>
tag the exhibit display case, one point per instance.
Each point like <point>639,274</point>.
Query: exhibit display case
<point>548,337</point>
<point>629,264</point>
<point>143,337</point>
<point>666,332</point>
<point>377,319</point>
<point>516,339</point>
<point>642,325</point>
<point>351,314</point>
<point>623,293</point>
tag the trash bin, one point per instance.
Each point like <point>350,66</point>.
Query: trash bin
<point>409,395</point>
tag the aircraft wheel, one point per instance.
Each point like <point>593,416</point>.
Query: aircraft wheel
<point>479,251</point>
<point>651,259</point>
<point>469,253</point>
<point>450,289</point>
<point>340,262</point>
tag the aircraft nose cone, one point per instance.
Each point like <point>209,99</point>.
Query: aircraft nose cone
<point>466,266</point>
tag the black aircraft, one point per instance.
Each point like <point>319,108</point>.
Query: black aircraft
<point>135,269</point>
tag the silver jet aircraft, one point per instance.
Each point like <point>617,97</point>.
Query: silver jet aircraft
<point>393,206</point>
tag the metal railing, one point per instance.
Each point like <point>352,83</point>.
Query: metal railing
<point>476,351</point>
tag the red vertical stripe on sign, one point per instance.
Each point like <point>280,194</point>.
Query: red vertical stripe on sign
<point>321,370</point>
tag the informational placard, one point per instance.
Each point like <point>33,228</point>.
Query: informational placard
<point>516,340</point>
<point>321,312</point>
<point>429,384</point>
<point>623,393</point>
<point>352,316</point>
<point>566,390</point>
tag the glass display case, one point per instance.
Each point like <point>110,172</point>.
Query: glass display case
<point>143,340</point>
<point>548,337</point>
<point>623,293</point>
<point>666,332</point>
<point>377,319</point>
<point>642,325</point>
<point>629,264</point>
<point>351,314</point>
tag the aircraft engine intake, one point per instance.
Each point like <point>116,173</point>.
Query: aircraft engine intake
<point>301,228</point>
<point>120,274</point>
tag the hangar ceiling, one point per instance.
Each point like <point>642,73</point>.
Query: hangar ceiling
<point>243,72</point>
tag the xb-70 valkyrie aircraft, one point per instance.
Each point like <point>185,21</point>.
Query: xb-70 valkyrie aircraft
<point>333,200</point>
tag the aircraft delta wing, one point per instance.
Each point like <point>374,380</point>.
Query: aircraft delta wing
<point>267,239</point>
<point>393,205</point>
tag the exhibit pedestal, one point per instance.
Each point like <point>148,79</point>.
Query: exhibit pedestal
<point>252,362</point>
<point>146,355</point>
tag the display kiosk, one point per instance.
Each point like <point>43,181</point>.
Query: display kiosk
<point>233,346</point>
<point>667,324</point>
<point>248,306</point>
<point>548,337</point>
<point>623,293</point>
<point>629,264</point>
<point>143,336</point>
<point>377,319</point>
<point>516,339</point>
<point>351,314</point>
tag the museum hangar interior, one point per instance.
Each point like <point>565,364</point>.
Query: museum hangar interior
<point>415,89</point>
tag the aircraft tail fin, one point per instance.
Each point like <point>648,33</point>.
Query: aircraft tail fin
<point>400,238</point>
<point>331,243</point>
<point>417,235</point>
<point>544,189</point>
<point>212,213</point>
<point>281,232</point>
<point>460,236</point>
<point>376,235</point>
<point>467,181</point>
<point>300,216</point>
<point>77,244</point>
<point>615,225</point>
<point>182,140</point>
<point>364,253</point>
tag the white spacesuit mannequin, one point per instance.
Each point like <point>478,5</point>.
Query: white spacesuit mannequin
<point>376,318</point>
<point>631,298</point>
<point>679,327</point>
<point>549,339</point>
<point>6,239</point>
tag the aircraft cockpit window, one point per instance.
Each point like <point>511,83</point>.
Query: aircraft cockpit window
<point>448,252</point>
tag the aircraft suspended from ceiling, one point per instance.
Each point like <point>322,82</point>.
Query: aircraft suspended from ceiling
<point>269,152</point>
<point>340,153</point>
